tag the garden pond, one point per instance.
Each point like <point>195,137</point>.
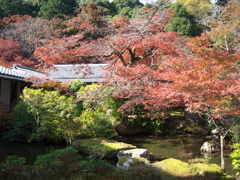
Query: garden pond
<point>181,147</point>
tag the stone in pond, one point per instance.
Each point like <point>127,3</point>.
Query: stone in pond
<point>210,147</point>
<point>133,153</point>
<point>125,162</point>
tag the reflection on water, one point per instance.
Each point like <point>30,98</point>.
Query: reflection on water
<point>30,151</point>
<point>181,147</point>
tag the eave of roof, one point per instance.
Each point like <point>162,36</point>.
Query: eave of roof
<point>9,74</point>
<point>27,72</point>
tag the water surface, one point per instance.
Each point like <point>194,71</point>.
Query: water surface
<point>183,147</point>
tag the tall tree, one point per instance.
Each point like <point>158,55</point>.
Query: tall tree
<point>127,3</point>
<point>13,7</point>
<point>217,89</point>
<point>53,9</point>
<point>199,8</point>
<point>197,79</point>
<point>27,31</point>
<point>225,31</point>
<point>183,22</point>
<point>36,2</point>
<point>11,53</point>
<point>125,7</point>
<point>129,44</point>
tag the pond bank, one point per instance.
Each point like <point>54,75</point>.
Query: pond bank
<point>162,147</point>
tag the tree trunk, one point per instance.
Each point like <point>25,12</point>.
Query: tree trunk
<point>222,156</point>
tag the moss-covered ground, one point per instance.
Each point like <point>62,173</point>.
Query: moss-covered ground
<point>101,147</point>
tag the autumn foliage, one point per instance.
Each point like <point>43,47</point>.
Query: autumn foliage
<point>159,70</point>
<point>11,53</point>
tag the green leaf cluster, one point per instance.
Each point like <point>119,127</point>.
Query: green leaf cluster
<point>12,166</point>
<point>22,125</point>
<point>12,161</point>
<point>13,7</point>
<point>93,165</point>
<point>183,22</point>
<point>76,85</point>
<point>54,114</point>
<point>235,155</point>
<point>100,111</point>
<point>52,9</point>
<point>58,157</point>
<point>48,115</point>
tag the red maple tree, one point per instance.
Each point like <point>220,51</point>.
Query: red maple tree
<point>196,77</point>
<point>11,53</point>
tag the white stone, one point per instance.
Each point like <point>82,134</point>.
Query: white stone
<point>209,146</point>
<point>134,153</point>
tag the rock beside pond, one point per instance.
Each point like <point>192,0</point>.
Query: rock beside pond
<point>214,132</point>
<point>133,153</point>
<point>210,147</point>
<point>100,147</point>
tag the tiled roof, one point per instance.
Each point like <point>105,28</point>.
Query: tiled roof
<point>90,73</point>
<point>8,73</point>
<point>85,72</point>
<point>26,72</point>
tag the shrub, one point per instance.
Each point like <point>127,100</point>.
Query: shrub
<point>58,157</point>
<point>22,125</point>
<point>235,155</point>
<point>99,123</point>
<point>76,85</point>
<point>235,132</point>
<point>53,114</point>
<point>93,165</point>
<point>100,111</point>
<point>12,167</point>
<point>60,162</point>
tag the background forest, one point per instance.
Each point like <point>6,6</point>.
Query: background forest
<point>168,59</point>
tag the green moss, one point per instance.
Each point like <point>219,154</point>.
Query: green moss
<point>198,160</point>
<point>123,159</point>
<point>102,146</point>
<point>205,169</point>
<point>174,167</point>
<point>140,159</point>
<point>228,177</point>
<point>137,161</point>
